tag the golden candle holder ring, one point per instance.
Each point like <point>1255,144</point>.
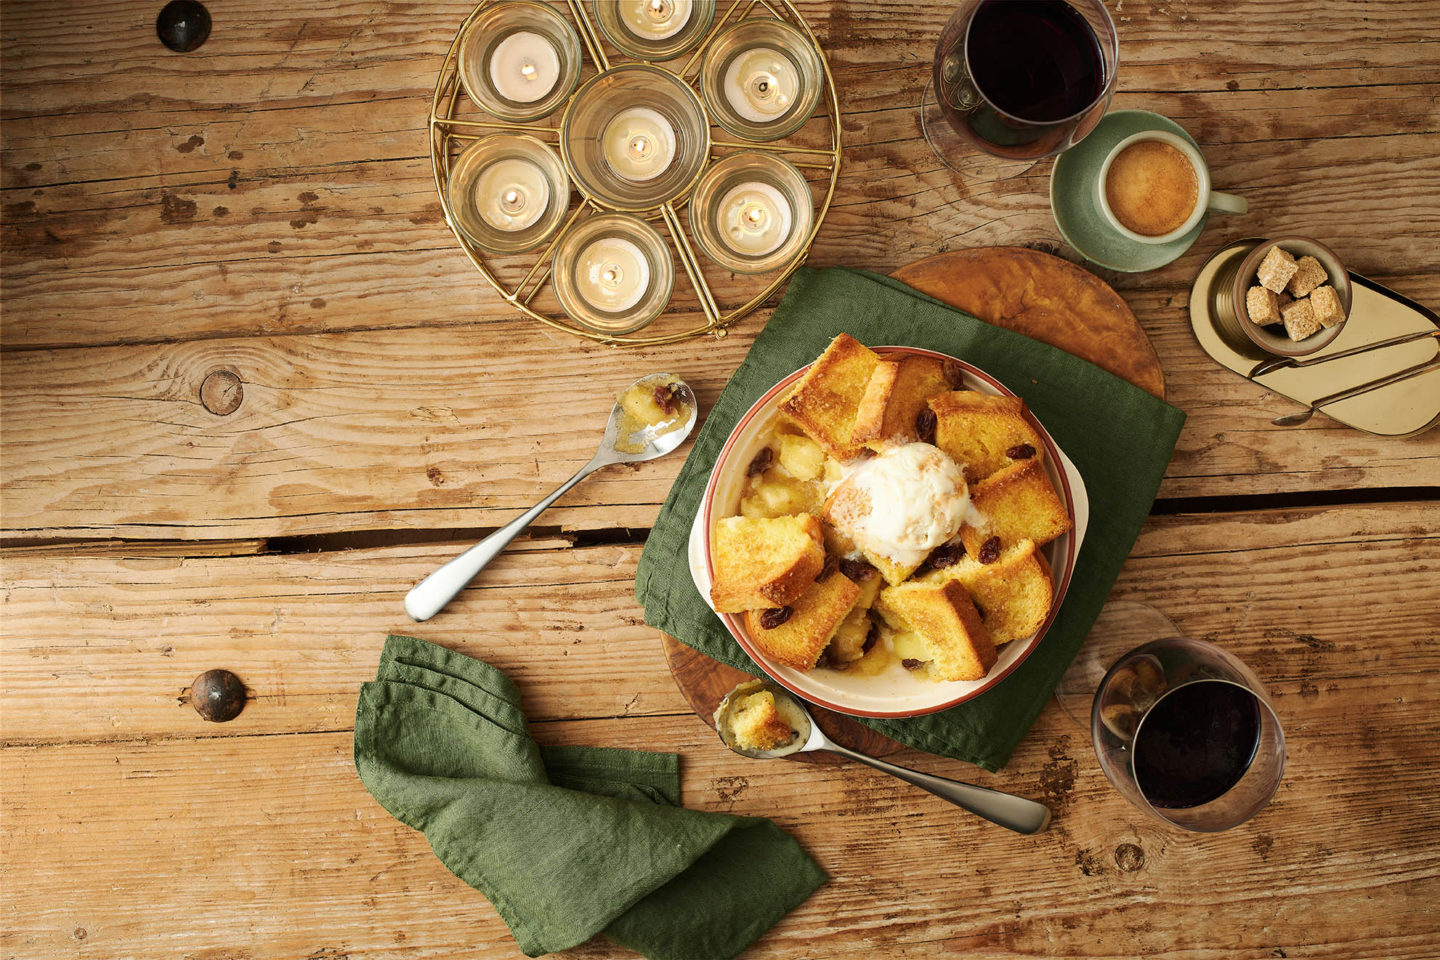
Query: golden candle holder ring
<point>635,137</point>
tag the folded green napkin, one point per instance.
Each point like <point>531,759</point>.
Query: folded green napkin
<point>1119,437</point>
<point>566,842</point>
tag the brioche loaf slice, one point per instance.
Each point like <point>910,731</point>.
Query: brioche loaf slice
<point>764,562</point>
<point>896,396</point>
<point>1014,594</point>
<point>797,639</point>
<point>944,619</point>
<point>824,401</point>
<point>1015,503</point>
<point>983,433</point>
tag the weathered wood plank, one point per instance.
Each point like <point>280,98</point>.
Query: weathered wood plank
<point>445,429</point>
<point>277,851</point>
<point>305,631</point>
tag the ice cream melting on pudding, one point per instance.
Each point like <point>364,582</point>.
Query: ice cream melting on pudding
<point>903,503</point>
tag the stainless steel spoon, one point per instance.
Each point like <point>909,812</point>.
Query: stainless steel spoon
<point>1006,809</point>
<point>639,442</point>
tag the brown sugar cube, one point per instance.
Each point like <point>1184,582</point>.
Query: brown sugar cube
<point>1300,320</point>
<point>1309,274</point>
<point>1262,306</point>
<point>1326,306</point>
<point>1276,270</point>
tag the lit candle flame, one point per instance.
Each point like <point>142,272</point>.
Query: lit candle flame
<point>528,71</point>
<point>611,275</point>
<point>640,148</point>
<point>659,10</point>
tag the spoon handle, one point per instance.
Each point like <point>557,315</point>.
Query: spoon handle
<point>1006,809</point>
<point>429,596</point>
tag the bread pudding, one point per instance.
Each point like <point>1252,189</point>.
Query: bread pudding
<point>932,505</point>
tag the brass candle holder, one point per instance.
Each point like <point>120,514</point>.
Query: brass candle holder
<point>650,170</point>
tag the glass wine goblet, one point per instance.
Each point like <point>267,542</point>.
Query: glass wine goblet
<point>1018,80</point>
<point>1186,732</point>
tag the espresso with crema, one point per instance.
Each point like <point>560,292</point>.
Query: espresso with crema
<point>1151,187</point>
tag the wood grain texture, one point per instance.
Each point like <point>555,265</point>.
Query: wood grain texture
<point>264,207</point>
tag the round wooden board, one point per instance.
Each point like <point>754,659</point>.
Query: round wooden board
<point>1044,297</point>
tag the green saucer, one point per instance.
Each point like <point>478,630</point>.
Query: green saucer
<point>1072,198</point>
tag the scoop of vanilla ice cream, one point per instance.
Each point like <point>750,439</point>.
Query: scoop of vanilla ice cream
<point>905,502</point>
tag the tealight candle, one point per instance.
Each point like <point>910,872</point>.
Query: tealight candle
<point>511,194</point>
<point>655,19</point>
<point>612,274</point>
<point>524,67</point>
<point>761,85</point>
<point>754,219</point>
<point>639,144</point>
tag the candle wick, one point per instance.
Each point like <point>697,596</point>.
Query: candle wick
<point>659,10</point>
<point>528,71</point>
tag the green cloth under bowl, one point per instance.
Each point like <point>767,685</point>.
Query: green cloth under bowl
<point>1118,436</point>
<point>566,842</point>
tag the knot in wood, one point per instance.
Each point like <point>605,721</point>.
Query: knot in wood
<point>1129,857</point>
<point>221,393</point>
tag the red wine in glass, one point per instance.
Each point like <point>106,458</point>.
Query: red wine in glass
<point>1022,79</point>
<point>1196,743</point>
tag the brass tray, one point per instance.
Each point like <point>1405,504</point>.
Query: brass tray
<point>1399,409</point>
<point>717,296</point>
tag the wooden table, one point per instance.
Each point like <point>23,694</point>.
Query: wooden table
<point>261,210</point>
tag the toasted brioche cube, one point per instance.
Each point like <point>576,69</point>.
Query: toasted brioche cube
<point>980,431</point>
<point>1015,503</point>
<point>1300,319</point>
<point>763,562</point>
<point>824,401</point>
<point>892,571</point>
<point>1309,274</point>
<point>1276,270</point>
<point>757,725</point>
<point>1014,594</point>
<point>947,623</point>
<point>1262,306</point>
<point>814,617</point>
<point>896,395</point>
<point>1326,307</point>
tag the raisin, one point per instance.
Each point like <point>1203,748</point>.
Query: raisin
<point>1021,451</point>
<point>925,426</point>
<point>870,638</point>
<point>945,555</point>
<point>772,618</point>
<point>953,373</point>
<point>761,463</point>
<point>830,564</point>
<point>989,550</point>
<point>857,571</point>
<point>910,664</point>
<point>667,398</point>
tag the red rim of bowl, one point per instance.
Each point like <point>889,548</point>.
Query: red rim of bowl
<point>1062,584</point>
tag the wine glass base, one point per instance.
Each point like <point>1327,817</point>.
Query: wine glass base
<point>959,154</point>
<point>1121,627</point>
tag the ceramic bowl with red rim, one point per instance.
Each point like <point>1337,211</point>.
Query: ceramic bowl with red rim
<point>895,692</point>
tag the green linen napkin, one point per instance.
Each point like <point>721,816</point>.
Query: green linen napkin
<point>565,842</point>
<point>1119,437</point>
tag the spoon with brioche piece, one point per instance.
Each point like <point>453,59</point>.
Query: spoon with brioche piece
<point>652,417</point>
<point>762,729</point>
